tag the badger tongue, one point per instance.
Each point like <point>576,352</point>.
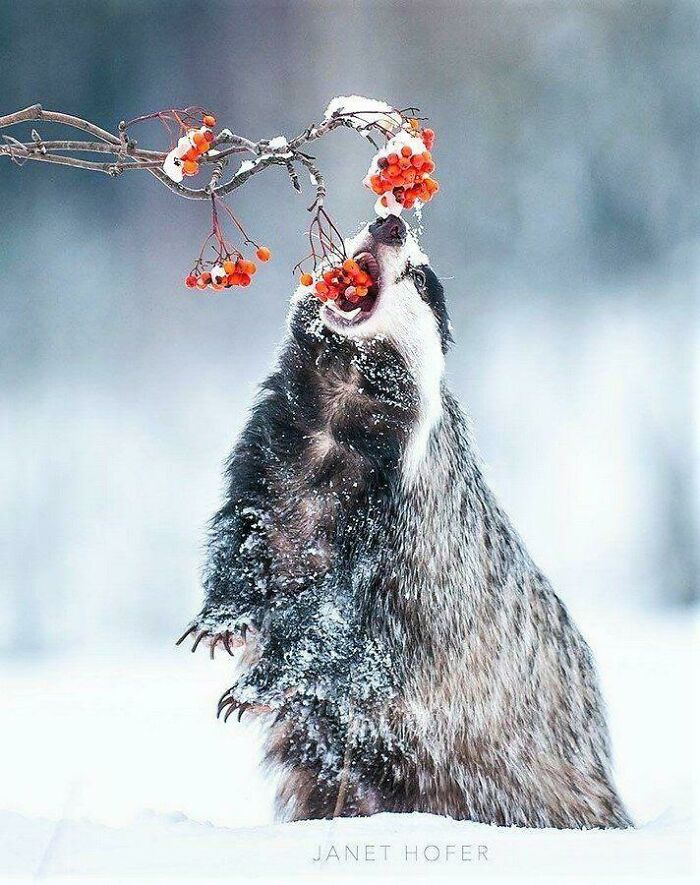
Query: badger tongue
<point>348,315</point>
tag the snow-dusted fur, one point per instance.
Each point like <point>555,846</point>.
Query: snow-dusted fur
<point>411,654</point>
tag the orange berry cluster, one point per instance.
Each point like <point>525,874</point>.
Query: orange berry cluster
<point>232,271</point>
<point>200,139</point>
<point>184,158</point>
<point>346,280</point>
<point>405,172</point>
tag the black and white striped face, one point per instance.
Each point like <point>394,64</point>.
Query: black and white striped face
<point>405,304</point>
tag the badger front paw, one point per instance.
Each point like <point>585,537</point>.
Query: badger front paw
<point>214,629</point>
<point>231,701</point>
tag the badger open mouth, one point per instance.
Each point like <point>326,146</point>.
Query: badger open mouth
<point>346,313</point>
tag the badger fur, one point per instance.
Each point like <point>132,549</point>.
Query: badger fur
<point>403,648</point>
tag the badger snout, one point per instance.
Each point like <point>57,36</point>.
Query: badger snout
<point>386,249</point>
<point>389,231</point>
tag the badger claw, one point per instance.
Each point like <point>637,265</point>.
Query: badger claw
<point>199,638</point>
<point>225,699</point>
<point>226,637</point>
<point>228,700</point>
<point>187,632</point>
<point>223,638</point>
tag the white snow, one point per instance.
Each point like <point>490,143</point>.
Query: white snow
<point>365,112</point>
<point>387,204</point>
<point>245,166</point>
<point>218,274</point>
<point>278,143</point>
<point>113,765</point>
<point>172,166</point>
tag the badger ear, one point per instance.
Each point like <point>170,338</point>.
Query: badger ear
<point>434,295</point>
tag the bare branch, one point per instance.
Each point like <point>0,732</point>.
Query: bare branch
<point>128,156</point>
<point>120,152</point>
<point>36,112</point>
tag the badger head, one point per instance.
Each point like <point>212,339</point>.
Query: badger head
<point>405,309</point>
<point>406,302</point>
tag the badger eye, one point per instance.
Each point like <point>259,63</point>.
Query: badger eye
<point>419,278</point>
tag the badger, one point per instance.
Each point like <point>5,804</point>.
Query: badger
<point>399,644</point>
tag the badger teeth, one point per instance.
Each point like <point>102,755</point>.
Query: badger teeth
<point>347,315</point>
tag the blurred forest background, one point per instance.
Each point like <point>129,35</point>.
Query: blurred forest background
<point>567,234</point>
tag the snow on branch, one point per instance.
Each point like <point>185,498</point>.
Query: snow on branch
<point>399,176</point>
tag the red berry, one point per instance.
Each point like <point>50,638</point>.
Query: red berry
<point>263,253</point>
<point>191,281</point>
<point>209,120</point>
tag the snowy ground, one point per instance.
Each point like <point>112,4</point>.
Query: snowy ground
<point>113,766</point>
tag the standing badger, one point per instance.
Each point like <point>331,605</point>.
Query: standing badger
<point>405,650</point>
